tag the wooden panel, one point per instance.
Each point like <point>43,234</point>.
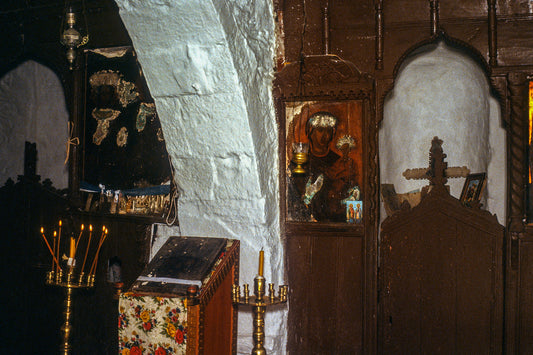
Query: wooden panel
<point>349,296</point>
<point>326,295</point>
<point>475,290</point>
<point>525,299</point>
<point>218,316</point>
<point>441,280</point>
<point>219,319</point>
<point>437,285</point>
<point>396,321</point>
<point>298,261</point>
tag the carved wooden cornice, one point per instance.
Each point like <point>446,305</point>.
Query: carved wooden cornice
<point>320,76</point>
<point>493,45</point>
<point>441,35</point>
<point>208,291</point>
<point>387,84</point>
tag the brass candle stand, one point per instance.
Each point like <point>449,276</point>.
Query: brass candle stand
<point>71,280</point>
<point>259,303</point>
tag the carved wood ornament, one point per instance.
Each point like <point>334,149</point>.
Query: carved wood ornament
<point>327,81</point>
<point>431,257</point>
<point>379,34</point>
<point>328,78</point>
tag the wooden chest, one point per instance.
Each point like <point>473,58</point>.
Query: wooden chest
<point>165,316</point>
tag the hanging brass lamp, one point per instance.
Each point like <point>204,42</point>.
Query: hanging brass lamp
<point>71,37</point>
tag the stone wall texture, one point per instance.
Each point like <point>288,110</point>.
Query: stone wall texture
<point>443,92</point>
<point>32,108</point>
<point>209,67</point>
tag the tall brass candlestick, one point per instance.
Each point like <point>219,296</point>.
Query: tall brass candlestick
<point>259,304</point>
<point>55,277</point>
<point>66,328</point>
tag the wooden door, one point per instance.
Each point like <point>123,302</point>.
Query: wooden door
<point>441,280</point>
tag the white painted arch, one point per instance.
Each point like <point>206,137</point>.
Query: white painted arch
<point>209,67</point>
<point>441,91</point>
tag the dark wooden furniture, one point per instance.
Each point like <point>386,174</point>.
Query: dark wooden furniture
<point>211,317</point>
<point>331,265</point>
<point>26,206</point>
<point>441,276</point>
<point>376,36</point>
<point>213,321</point>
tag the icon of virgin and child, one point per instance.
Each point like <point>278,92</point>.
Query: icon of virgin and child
<point>330,180</point>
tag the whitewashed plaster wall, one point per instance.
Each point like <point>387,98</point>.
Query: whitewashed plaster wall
<point>33,109</point>
<point>443,92</point>
<point>209,67</point>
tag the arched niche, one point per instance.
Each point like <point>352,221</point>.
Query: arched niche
<point>441,88</point>
<point>33,108</point>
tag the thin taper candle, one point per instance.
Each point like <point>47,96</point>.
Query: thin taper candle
<point>79,236</point>
<point>103,232</point>
<point>92,271</point>
<point>261,262</point>
<point>56,247</point>
<point>53,254</point>
<point>95,260</point>
<point>54,260</point>
<point>88,245</point>
<point>59,240</point>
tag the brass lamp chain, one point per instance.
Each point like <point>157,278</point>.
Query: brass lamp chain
<point>85,38</point>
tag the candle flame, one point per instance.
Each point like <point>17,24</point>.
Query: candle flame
<point>82,226</point>
<point>55,233</point>
<point>90,227</point>
<point>55,263</point>
<point>60,223</point>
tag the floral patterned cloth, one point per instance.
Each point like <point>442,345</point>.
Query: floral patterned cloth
<point>152,325</point>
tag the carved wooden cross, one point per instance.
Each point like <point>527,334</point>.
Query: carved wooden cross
<point>438,171</point>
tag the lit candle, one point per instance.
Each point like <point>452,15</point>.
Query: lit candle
<point>56,247</point>
<point>72,248</point>
<point>54,260</point>
<point>48,245</point>
<point>79,236</point>
<point>88,245</point>
<point>261,262</point>
<point>59,240</point>
<point>92,271</point>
